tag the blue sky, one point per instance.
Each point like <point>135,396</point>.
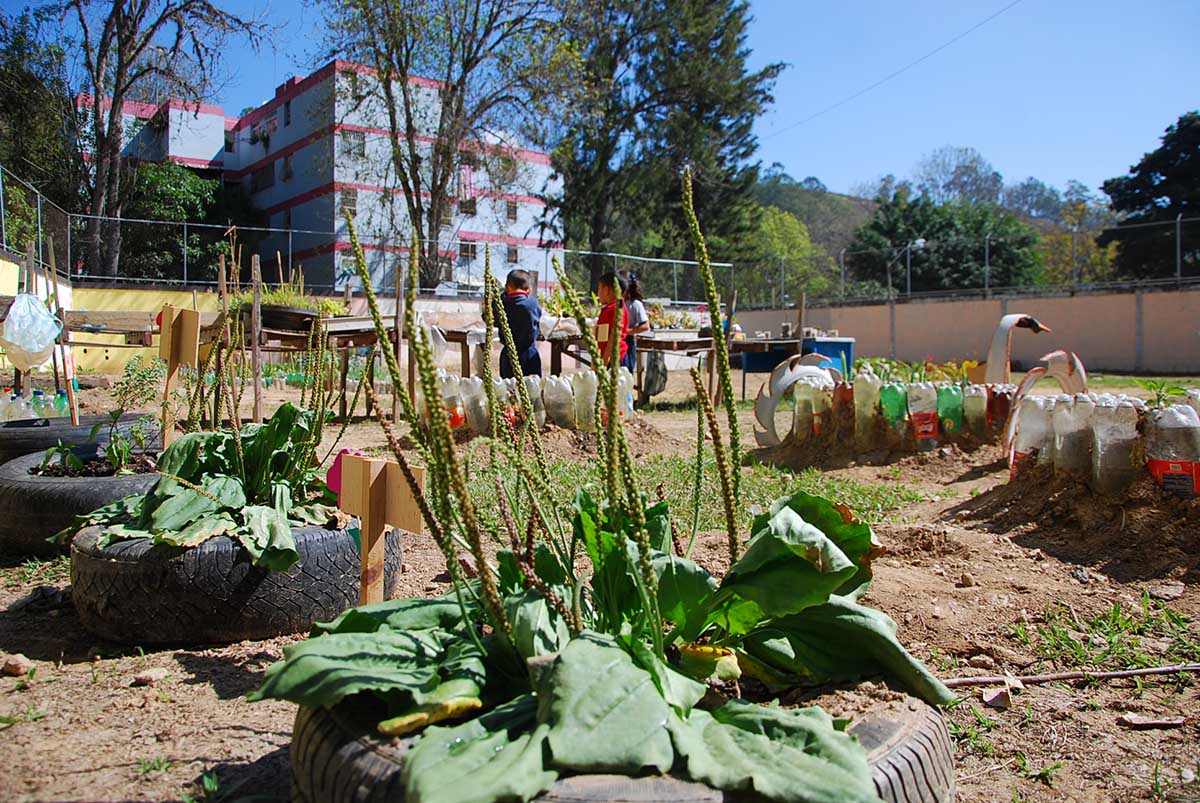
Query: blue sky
<point>1057,89</point>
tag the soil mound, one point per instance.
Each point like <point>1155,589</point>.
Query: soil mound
<point>963,460</point>
<point>1140,534</point>
<point>644,439</point>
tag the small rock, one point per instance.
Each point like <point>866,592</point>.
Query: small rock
<point>997,698</point>
<point>1166,592</point>
<point>938,613</point>
<point>966,581</point>
<point>981,661</point>
<point>403,568</point>
<point>1145,723</point>
<point>148,677</point>
<point>1036,554</point>
<point>17,665</point>
<point>1186,775</point>
<point>1081,574</point>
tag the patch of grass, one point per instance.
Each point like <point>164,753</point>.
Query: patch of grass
<point>969,736</point>
<point>37,571</point>
<point>761,485</point>
<point>153,766</point>
<point>1113,639</point>
<point>27,714</point>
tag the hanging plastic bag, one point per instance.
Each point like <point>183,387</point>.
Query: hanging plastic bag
<point>29,332</point>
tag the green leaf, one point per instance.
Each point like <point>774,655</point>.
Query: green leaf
<point>684,590</point>
<point>605,714</point>
<point>843,641</point>
<point>199,531</point>
<point>509,577</point>
<point>397,614</point>
<point>267,536</point>
<point>537,629</point>
<point>787,756</point>
<point>321,671</point>
<point>658,526</point>
<point>499,756</point>
<point>183,505</point>
<point>547,567</point>
<point>680,691</point>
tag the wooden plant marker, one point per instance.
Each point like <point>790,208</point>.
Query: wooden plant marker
<point>375,491</point>
<point>178,344</point>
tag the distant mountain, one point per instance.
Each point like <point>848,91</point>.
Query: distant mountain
<point>831,218</point>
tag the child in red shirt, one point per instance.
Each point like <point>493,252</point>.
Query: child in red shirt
<point>611,290</point>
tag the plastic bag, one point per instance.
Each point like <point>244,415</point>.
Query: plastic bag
<point>29,332</point>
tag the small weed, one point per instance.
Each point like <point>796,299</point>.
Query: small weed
<point>1027,716</point>
<point>153,766</point>
<point>970,737</point>
<point>27,714</point>
<point>35,571</point>
<point>1045,774</point>
<point>209,785</point>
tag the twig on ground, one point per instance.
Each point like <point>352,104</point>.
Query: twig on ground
<point>992,680</point>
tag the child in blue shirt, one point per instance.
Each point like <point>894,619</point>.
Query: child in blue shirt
<point>523,312</point>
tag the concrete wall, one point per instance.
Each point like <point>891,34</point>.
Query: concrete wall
<point>1147,332</point>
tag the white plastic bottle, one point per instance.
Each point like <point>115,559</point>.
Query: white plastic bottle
<point>1073,434</point>
<point>625,391</point>
<point>475,405</point>
<point>20,410</point>
<point>802,419</point>
<point>922,412</point>
<point>1046,456</point>
<point>975,398</point>
<point>4,402</point>
<point>559,399</point>
<point>1173,448</point>
<point>866,409</point>
<point>533,386</point>
<point>1033,430</point>
<point>1114,436</point>
<point>1193,399</point>
<point>452,401</point>
<point>584,385</point>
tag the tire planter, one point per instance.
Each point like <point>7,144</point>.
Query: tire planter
<point>134,592</point>
<point>19,438</point>
<point>33,508</point>
<point>336,757</point>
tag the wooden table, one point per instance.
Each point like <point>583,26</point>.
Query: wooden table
<point>559,345</point>
<point>664,340</point>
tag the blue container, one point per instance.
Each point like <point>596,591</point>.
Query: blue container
<point>834,348</point>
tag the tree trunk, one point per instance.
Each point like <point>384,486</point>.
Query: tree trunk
<point>596,239</point>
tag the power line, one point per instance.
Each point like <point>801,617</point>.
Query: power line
<point>892,75</point>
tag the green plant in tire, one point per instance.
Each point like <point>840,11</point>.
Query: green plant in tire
<point>589,645</point>
<point>137,387</point>
<point>252,485</point>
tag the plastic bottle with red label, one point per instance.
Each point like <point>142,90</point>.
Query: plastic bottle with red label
<point>1000,398</point>
<point>923,413</point>
<point>452,401</point>
<point>1173,449</point>
<point>842,414</point>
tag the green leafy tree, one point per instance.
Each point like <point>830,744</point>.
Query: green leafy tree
<point>787,262</point>
<point>830,218</point>
<point>1033,198</point>
<point>1163,185</point>
<point>948,246</point>
<point>674,90</point>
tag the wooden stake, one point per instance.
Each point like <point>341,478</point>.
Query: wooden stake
<point>279,262</point>
<point>256,334</point>
<point>178,344</point>
<point>396,334</point>
<point>221,344</point>
<point>375,491</point>
<point>51,300</point>
<point>64,338</point>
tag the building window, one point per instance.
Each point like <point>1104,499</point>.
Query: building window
<point>230,142</point>
<point>467,207</point>
<point>287,112</point>
<point>263,178</point>
<point>354,143</point>
<point>514,255</point>
<point>285,172</point>
<point>350,201</point>
<point>468,251</point>
<point>511,208</point>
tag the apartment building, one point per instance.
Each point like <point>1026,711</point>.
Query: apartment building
<point>321,146</point>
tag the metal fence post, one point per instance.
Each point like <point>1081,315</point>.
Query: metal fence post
<point>40,235</point>
<point>69,227</point>
<point>842,263</point>
<point>185,250</point>
<point>1178,246</point>
<point>987,243</point>
<point>289,254</point>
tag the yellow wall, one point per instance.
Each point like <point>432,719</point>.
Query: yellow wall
<point>113,360</point>
<point>8,278</point>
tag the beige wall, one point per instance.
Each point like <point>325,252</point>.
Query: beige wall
<point>1103,329</point>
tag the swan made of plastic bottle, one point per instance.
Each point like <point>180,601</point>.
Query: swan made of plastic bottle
<point>786,374</point>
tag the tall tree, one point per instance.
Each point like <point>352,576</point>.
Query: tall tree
<point>1033,198</point>
<point>960,175</point>
<point>785,262</point>
<point>37,119</point>
<point>501,68</point>
<point>948,245</point>
<point>1162,186</point>
<point>175,45</point>
<point>674,90</point>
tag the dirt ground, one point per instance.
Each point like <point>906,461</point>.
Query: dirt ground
<point>984,578</point>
